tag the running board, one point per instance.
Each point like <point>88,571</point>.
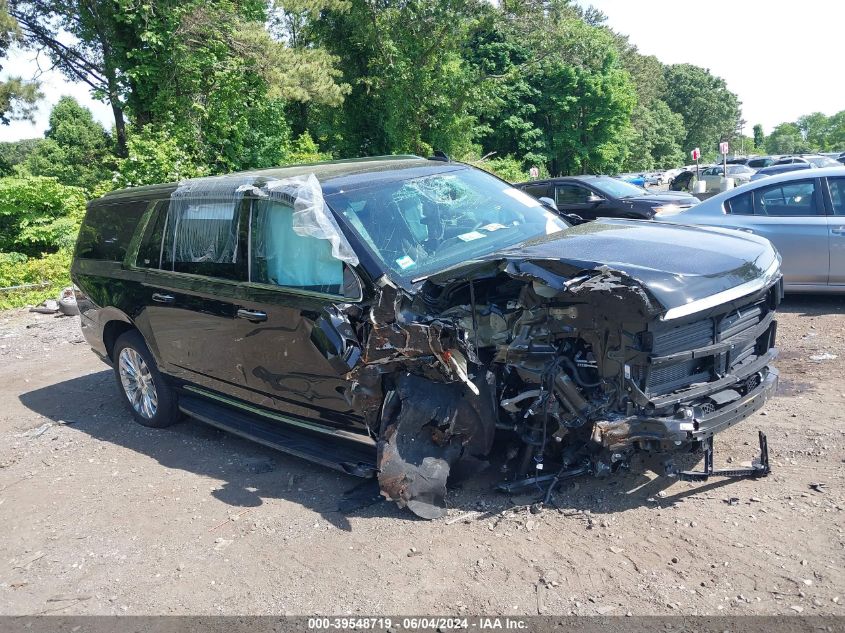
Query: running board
<point>347,456</point>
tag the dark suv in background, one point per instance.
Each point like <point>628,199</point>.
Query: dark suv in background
<point>592,197</point>
<point>390,317</point>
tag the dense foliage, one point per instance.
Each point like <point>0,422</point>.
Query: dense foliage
<point>234,84</point>
<point>39,220</point>
<point>810,133</point>
<point>201,87</point>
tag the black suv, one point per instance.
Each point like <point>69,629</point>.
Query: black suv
<point>389,317</point>
<point>592,197</point>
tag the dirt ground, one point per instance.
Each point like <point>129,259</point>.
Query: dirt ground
<point>102,516</point>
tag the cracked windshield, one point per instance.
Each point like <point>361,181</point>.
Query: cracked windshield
<point>420,226</point>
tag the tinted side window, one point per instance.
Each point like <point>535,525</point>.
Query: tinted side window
<point>538,191</point>
<point>571,194</point>
<point>281,257</point>
<point>149,252</point>
<point>108,228</point>
<point>201,238</point>
<point>788,199</point>
<point>837,195</point>
<point>740,205</point>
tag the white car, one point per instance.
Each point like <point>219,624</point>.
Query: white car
<point>713,175</point>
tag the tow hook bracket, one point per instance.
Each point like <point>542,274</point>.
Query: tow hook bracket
<point>759,467</point>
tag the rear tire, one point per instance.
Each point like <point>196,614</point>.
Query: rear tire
<point>151,401</point>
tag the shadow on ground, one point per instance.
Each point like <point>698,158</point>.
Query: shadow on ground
<point>250,473</point>
<point>813,304</point>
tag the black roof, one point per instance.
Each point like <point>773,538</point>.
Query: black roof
<point>583,178</point>
<point>334,176</point>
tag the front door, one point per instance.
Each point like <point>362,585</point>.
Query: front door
<point>572,198</point>
<point>294,281</point>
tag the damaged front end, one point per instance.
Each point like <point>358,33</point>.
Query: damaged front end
<point>578,370</point>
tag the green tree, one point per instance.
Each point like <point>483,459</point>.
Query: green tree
<point>815,130</point>
<point>507,103</point>
<point>646,71</point>
<point>17,96</point>
<point>656,137</point>
<point>554,90</point>
<point>836,132</point>
<point>411,89</point>
<point>14,153</point>
<point>759,137</point>
<point>710,111</point>
<point>786,138</point>
<point>155,156</point>
<point>76,148</point>
<point>208,64</point>
<point>38,214</point>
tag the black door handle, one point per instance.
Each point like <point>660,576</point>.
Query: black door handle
<point>255,316</point>
<point>162,298</point>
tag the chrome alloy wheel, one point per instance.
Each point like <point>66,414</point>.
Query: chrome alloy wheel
<point>137,382</point>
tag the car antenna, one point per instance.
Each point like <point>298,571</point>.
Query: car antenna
<point>441,156</point>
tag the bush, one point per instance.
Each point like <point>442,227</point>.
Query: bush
<point>507,168</point>
<point>16,269</point>
<point>38,214</point>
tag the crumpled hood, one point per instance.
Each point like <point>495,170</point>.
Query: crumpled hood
<point>676,264</point>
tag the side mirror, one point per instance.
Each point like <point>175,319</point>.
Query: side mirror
<point>548,202</point>
<point>594,198</point>
<point>574,219</point>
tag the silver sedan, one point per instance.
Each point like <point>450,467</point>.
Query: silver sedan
<point>801,212</point>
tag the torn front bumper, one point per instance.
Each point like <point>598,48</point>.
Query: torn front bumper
<point>673,431</point>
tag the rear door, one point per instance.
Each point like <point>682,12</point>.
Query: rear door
<point>573,198</point>
<point>192,289</point>
<point>836,225</point>
<point>792,216</point>
<point>295,283</point>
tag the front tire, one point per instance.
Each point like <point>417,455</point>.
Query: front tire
<point>151,401</point>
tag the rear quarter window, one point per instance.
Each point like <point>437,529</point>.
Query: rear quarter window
<point>740,205</point>
<point>108,228</point>
<point>149,251</point>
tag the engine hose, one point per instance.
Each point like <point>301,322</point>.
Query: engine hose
<point>576,374</point>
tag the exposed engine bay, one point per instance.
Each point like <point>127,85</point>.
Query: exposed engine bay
<point>578,370</point>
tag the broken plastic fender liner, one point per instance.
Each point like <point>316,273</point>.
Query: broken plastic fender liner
<point>426,428</point>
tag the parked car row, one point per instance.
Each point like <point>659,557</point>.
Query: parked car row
<point>796,204</point>
<point>591,197</point>
<point>802,212</point>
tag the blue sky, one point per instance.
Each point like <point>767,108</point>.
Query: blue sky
<point>783,59</point>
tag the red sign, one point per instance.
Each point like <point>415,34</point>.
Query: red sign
<point>534,172</point>
<point>723,148</point>
<point>696,154</point>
